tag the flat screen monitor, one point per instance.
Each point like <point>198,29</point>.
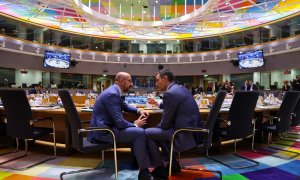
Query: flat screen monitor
<point>251,59</point>
<point>57,59</point>
<point>136,100</point>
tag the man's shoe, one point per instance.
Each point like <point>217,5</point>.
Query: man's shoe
<point>160,172</point>
<point>144,174</point>
<point>176,168</point>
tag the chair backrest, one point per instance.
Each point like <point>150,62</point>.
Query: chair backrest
<point>296,118</point>
<point>72,118</point>
<point>241,114</point>
<point>287,106</point>
<point>18,113</point>
<point>211,118</point>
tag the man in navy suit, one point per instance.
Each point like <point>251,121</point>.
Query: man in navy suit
<point>245,87</point>
<point>179,111</point>
<point>36,90</point>
<point>108,112</point>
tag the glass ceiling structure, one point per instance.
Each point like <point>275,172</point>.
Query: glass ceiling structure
<point>150,19</point>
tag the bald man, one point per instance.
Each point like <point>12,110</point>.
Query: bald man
<point>108,112</point>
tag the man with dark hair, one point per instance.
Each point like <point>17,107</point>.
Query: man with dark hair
<point>108,113</point>
<point>296,83</point>
<point>179,111</point>
<point>36,90</point>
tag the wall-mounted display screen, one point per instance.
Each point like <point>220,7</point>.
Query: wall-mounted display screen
<point>57,59</point>
<point>251,59</point>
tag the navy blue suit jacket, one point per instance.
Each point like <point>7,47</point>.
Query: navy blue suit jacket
<point>108,112</point>
<point>180,111</point>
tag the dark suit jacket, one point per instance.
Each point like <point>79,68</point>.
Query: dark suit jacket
<point>107,112</point>
<point>34,91</point>
<point>244,87</point>
<point>180,111</point>
<point>286,88</point>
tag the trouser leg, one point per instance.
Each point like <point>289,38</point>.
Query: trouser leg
<point>137,138</point>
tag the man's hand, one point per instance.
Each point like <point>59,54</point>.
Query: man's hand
<point>141,121</point>
<point>144,113</point>
<point>152,101</point>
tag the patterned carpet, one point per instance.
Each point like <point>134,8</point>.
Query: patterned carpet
<point>270,168</point>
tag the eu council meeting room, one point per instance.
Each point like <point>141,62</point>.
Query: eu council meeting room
<point>150,89</point>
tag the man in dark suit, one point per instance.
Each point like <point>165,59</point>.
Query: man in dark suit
<point>245,86</point>
<point>252,87</point>
<point>179,111</point>
<point>108,112</point>
<point>36,89</point>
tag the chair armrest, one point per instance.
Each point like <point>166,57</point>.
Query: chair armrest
<point>89,129</point>
<point>41,119</point>
<point>228,123</point>
<point>272,118</point>
<point>189,129</point>
<point>85,121</point>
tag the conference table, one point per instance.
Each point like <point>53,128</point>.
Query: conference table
<point>63,134</point>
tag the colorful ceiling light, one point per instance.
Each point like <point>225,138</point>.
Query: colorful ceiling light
<point>150,19</point>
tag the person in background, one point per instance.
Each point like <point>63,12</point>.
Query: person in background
<point>258,85</point>
<point>296,83</point>
<point>274,86</point>
<point>179,111</point>
<point>251,86</point>
<point>108,113</point>
<point>80,85</point>
<point>218,86</point>
<point>53,85</point>
<point>36,90</point>
<point>245,86</point>
<point>230,88</point>
<point>286,87</point>
<point>193,89</point>
<point>209,88</point>
<point>199,89</point>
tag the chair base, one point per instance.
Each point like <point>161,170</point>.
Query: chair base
<point>79,171</point>
<point>9,164</point>
<point>290,139</point>
<point>278,156</point>
<point>255,163</point>
<point>204,170</point>
<point>15,157</point>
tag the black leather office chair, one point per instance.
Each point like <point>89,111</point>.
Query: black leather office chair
<point>207,131</point>
<point>20,123</point>
<point>240,123</point>
<point>296,114</point>
<point>282,122</point>
<point>79,142</point>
